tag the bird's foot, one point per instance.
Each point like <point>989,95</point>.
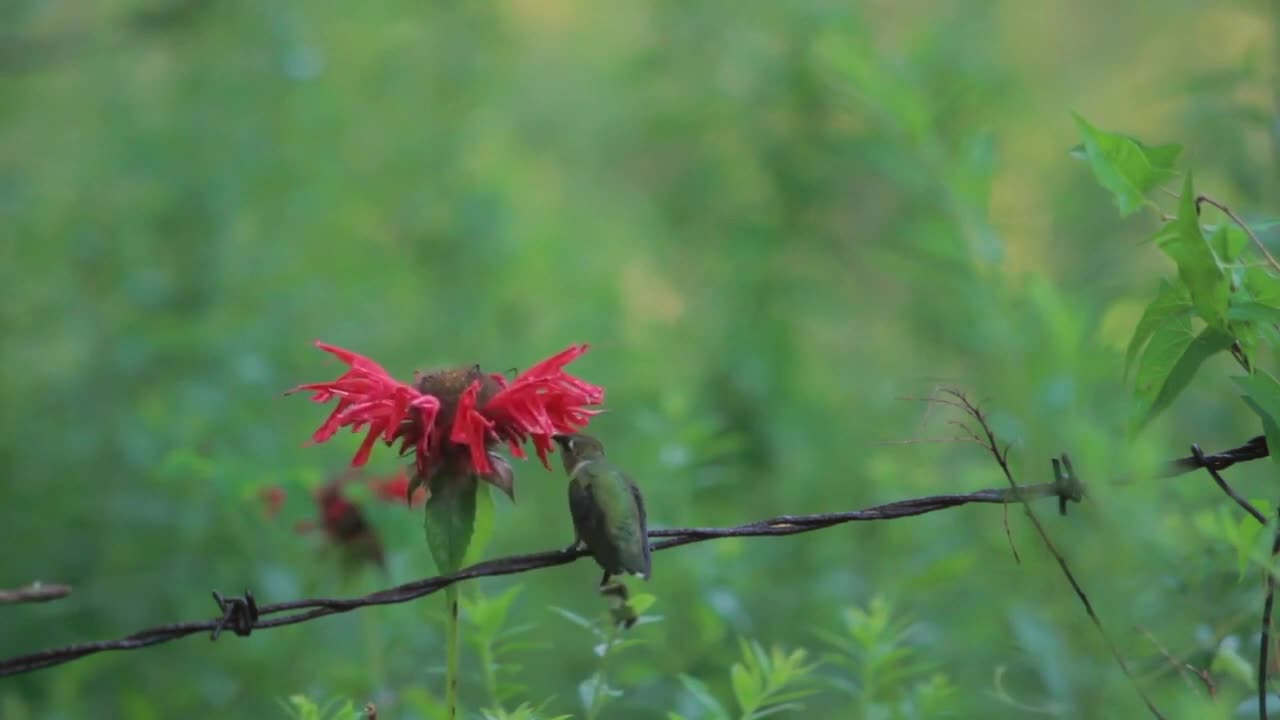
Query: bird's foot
<point>620,610</point>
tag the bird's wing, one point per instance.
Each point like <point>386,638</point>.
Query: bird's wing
<point>588,520</point>
<point>642,517</point>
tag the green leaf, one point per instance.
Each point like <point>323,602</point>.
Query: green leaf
<point>746,688</point>
<point>450,520</point>
<point>1228,661</point>
<point>576,619</point>
<point>642,602</point>
<point>1171,303</point>
<point>1125,166</point>
<point>1263,286</point>
<point>1254,312</point>
<point>1228,241</point>
<point>1198,267</point>
<point>1169,364</point>
<point>1262,395</point>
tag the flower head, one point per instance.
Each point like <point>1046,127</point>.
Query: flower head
<point>452,417</point>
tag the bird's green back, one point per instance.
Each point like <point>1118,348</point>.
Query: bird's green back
<point>616,498</point>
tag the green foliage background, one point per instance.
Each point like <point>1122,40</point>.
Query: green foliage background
<point>774,222</point>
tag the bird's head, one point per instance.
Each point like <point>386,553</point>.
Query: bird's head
<point>577,448</point>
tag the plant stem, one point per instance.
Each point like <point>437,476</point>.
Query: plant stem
<point>597,691</point>
<point>452,652</point>
<point>373,644</point>
<point>490,672</point>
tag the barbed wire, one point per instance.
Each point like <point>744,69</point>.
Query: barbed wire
<point>242,615</point>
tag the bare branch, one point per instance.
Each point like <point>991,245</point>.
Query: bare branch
<point>1267,604</point>
<point>34,593</point>
<point>1205,199</point>
<point>1002,459</point>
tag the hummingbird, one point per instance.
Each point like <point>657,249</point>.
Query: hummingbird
<point>607,509</point>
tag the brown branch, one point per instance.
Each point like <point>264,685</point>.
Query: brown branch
<point>1002,459</point>
<point>1275,265</point>
<point>34,593</point>
<point>1181,667</point>
<point>1267,604</point>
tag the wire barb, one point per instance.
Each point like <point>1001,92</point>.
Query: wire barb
<point>1066,482</point>
<point>1201,458</point>
<point>238,613</point>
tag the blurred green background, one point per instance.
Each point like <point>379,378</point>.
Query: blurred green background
<point>774,222</point>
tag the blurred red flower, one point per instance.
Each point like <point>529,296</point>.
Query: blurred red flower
<point>396,489</point>
<point>452,416</point>
<point>272,500</point>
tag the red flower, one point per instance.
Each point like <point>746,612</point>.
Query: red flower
<point>367,395</point>
<point>452,416</point>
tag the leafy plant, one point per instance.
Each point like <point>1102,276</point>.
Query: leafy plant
<point>301,707</point>
<point>595,692</point>
<point>764,683</point>
<point>884,674</point>
<point>1224,298</point>
<point>495,641</point>
<point>524,711</point>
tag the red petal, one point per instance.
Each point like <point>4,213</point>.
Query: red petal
<point>369,400</point>
<point>470,428</point>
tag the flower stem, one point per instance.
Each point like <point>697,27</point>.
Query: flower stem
<point>452,652</point>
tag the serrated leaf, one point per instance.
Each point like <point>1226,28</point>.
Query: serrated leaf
<point>1125,166</point>
<point>1228,241</point>
<point>642,602</point>
<point>1263,286</point>
<point>450,515</point>
<point>1262,395</point>
<point>1163,377</point>
<point>1198,267</point>
<point>1171,303</point>
<point>746,688</point>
